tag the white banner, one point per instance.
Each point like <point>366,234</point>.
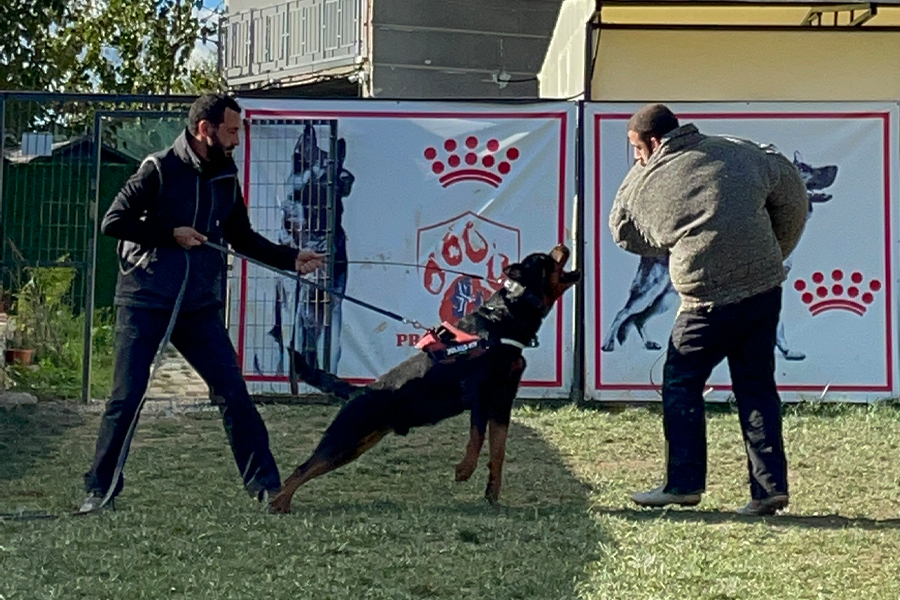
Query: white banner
<point>837,333</point>
<point>450,187</point>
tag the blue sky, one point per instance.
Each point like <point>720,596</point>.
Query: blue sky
<point>207,50</point>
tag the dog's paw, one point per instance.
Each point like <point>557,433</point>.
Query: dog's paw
<point>608,346</point>
<point>464,470</point>
<point>652,345</point>
<point>280,505</point>
<point>793,355</point>
<point>492,493</point>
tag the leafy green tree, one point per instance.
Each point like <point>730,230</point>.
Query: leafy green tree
<point>110,46</point>
<point>32,54</point>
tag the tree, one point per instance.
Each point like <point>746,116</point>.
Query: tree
<point>110,46</point>
<point>32,55</point>
<point>139,46</point>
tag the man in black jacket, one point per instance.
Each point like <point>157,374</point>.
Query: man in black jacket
<point>178,199</point>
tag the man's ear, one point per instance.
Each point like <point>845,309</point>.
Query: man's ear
<point>654,143</point>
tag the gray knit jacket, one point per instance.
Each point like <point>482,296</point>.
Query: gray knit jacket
<point>727,211</point>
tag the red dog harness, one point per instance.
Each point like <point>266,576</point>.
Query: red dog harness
<point>446,343</point>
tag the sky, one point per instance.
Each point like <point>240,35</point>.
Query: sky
<point>208,50</point>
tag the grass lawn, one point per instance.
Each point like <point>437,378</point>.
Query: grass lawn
<point>395,524</point>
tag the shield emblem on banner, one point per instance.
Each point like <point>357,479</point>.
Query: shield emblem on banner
<point>464,257</point>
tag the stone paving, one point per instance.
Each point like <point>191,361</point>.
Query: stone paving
<point>176,380</point>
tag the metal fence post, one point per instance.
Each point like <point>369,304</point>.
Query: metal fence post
<point>2,160</point>
<point>91,264</point>
<point>330,235</point>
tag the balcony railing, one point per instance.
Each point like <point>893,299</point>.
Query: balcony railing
<point>291,39</point>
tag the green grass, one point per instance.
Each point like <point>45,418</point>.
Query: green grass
<point>394,524</point>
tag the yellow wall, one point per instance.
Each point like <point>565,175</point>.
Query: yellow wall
<point>706,65</point>
<point>732,15</point>
<point>717,65</point>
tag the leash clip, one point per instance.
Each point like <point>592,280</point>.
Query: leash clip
<point>415,324</point>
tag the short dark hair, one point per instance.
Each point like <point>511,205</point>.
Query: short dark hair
<point>210,107</point>
<point>653,121</point>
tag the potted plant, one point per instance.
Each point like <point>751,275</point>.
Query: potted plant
<point>19,348</point>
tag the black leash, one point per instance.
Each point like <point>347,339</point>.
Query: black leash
<point>319,286</point>
<point>403,264</point>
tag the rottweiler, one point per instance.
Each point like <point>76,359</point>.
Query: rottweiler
<point>475,364</point>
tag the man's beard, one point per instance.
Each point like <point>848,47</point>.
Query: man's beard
<point>217,152</point>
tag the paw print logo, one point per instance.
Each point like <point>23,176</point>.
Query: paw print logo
<point>473,245</point>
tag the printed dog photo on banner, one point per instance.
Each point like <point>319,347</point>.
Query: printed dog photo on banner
<point>651,293</point>
<point>302,181</point>
<point>835,331</point>
<point>431,201</point>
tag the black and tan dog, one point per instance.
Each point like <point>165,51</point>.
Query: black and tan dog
<point>475,365</point>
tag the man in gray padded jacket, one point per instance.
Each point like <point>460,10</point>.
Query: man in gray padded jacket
<point>727,212</point>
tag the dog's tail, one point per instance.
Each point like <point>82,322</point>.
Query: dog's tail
<point>322,380</point>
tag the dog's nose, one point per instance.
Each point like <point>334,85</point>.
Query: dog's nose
<point>560,253</point>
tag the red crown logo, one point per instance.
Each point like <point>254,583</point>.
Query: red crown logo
<point>465,164</point>
<point>822,297</point>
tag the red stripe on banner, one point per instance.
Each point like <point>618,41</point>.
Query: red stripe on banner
<point>886,147</point>
<point>242,313</point>
<point>562,116</point>
<point>363,114</point>
<point>560,304</point>
<point>885,117</point>
<point>598,329</point>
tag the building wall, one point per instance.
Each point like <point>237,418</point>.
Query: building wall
<point>427,49</point>
<point>819,64</point>
<point>562,71</point>
<point>719,65</point>
<point>236,6</point>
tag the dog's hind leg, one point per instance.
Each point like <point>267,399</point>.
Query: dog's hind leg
<point>618,329</point>
<point>319,464</point>
<point>782,345</point>
<point>359,425</point>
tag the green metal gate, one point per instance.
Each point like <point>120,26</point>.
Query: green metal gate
<point>64,158</point>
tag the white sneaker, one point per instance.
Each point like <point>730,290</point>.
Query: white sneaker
<point>93,503</point>
<point>765,507</point>
<point>659,497</point>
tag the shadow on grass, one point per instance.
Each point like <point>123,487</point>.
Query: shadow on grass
<point>716,517</point>
<point>536,544</point>
<point>830,408</point>
<point>30,434</point>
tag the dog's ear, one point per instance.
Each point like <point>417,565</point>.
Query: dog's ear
<point>797,157</point>
<point>309,133</point>
<point>341,153</point>
<point>513,271</point>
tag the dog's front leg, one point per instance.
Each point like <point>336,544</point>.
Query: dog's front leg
<point>467,465</point>
<point>498,412</point>
<point>497,441</point>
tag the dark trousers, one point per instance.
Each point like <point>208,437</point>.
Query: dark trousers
<point>201,338</point>
<point>744,334</point>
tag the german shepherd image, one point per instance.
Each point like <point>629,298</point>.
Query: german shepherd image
<point>652,294</point>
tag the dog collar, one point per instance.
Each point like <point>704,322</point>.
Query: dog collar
<point>514,287</point>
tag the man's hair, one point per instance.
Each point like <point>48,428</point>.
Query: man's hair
<point>653,121</point>
<point>210,107</point>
